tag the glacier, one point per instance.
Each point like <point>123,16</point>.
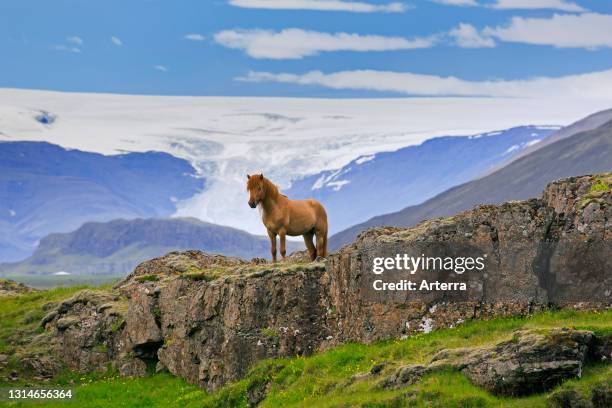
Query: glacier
<point>285,138</point>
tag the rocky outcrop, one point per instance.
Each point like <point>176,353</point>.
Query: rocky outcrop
<point>10,288</point>
<point>88,330</point>
<point>215,331</point>
<point>552,250</point>
<point>572,398</point>
<point>208,318</point>
<point>529,362</point>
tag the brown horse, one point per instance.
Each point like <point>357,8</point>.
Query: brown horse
<point>282,216</point>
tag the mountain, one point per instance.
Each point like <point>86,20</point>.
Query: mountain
<point>116,247</point>
<point>583,153</point>
<point>386,182</point>
<point>286,138</point>
<point>45,188</point>
<point>589,123</point>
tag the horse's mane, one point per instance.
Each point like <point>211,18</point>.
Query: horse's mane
<point>270,188</point>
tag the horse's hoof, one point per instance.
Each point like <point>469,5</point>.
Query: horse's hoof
<point>319,259</point>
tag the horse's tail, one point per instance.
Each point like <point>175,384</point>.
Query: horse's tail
<point>323,228</point>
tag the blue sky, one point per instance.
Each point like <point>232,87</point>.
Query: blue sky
<point>285,48</point>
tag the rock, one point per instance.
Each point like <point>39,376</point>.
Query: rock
<point>298,256</point>
<point>143,323</point>
<point>66,322</point>
<point>209,319</point>
<point>177,263</point>
<point>256,392</point>
<point>531,363</point>
<point>104,307</point>
<point>406,375</point>
<point>528,363</point>
<point>87,298</point>
<point>160,367</point>
<point>48,317</point>
<point>215,331</point>
<point>43,366</point>
<point>133,368</point>
<point>377,369</point>
<point>569,398</point>
<point>83,338</point>
<point>602,396</point>
<point>538,252</point>
<point>602,350</point>
<point>11,288</point>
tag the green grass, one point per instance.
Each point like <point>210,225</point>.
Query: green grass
<point>161,390</point>
<point>20,315</point>
<point>321,380</point>
<point>600,186</point>
<point>269,333</point>
<point>53,281</point>
<point>147,278</point>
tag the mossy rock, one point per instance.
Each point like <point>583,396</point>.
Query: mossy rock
<point>269,333</point>
<point>66,322</point>
<point>568,398</point>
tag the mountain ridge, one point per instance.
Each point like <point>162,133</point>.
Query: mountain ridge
<point>116,247</point>
<point>411,174</point>
<point>582,153</point>
<point>45,188</point>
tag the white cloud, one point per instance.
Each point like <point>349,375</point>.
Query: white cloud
<point>161,68</point>
<point>296,43</point>
<point>457,2</point>
<point>590,85</point>
<point>322,5</point>
<point>117,41</point>
<point>75,40</point>
<point>562,5</point>
<point>467,36</point>
<point>194,37</point>
<point>589,30</point>
<point>73,44</point>
<point>67,48</point>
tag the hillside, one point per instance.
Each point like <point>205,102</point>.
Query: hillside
<point>582,153</point>
<point>589,123</point>
<point>330,379</point>
<point>412,174</point>
<point>116,247</point>
<point>45,189</point>
<point>304,333</point>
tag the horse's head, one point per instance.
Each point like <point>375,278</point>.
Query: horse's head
<point>255,187</point>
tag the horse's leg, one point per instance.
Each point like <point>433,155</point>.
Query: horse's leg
<point>312,251</point>
<point>272,236</point>
<point>321,242</point>
<point>282,235</point>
